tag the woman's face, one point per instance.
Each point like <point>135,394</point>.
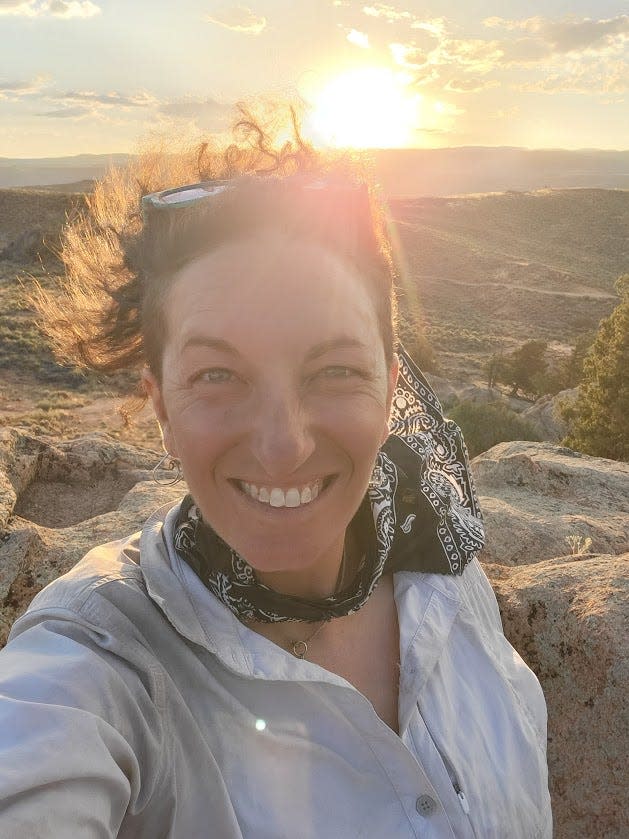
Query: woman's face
<point>275,395</point>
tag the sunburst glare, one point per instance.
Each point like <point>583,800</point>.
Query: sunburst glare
<point>368,107</point>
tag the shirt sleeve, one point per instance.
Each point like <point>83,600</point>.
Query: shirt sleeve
<point>480,598</point>
<point>76,724</point>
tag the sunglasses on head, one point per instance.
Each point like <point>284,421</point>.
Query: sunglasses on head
<point>184,196</point>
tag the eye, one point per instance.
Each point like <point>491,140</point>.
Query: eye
<point>338,371</point>
<point>215,376</point>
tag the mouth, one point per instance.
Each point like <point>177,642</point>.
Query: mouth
<point>295,496</point>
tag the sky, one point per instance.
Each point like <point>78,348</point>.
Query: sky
<point>102,76</point>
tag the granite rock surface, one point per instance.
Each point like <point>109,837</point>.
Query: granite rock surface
<point>557,555</point>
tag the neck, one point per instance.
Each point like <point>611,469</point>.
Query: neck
<point>317,581</point>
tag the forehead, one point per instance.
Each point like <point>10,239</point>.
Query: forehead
<point>270,286</point>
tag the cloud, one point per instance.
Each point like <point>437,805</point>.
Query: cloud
<point>22,87</point>
<point>435,26</point>
<point>407,55</point>
<point>474,55</point>
<point>450,56</point>
<point>209,113</point>
<point>470,85</point>
<point>63,113</point>
<point>45,8</point>
<point>112,99</point>
<point>79,103</point>
<point>570,34</point>
<point>359,39</point>
<point>599,77</point>
<point>238,19</point>
<point>73,8</point>
<point>388,13</point>
<point>17,7</point>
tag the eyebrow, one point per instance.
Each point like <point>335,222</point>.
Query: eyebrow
<point>212,343</point>
<point>343,342</point>
<point>220,345</point>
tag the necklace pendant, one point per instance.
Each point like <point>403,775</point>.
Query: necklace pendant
<point>300,648</point>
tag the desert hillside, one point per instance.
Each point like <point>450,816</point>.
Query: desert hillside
<point>401,172</point>
<point>488,272</point>
<point>492,271</point>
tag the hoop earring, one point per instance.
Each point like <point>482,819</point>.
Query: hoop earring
<point>169,463</point>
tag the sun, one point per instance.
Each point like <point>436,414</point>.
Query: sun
<point>368,107</point>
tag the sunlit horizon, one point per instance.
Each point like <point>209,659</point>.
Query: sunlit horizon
<point>92,77</point>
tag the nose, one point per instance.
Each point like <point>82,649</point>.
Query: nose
<point>281,438</point>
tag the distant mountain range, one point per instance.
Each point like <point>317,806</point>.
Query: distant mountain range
<point>401,172</point>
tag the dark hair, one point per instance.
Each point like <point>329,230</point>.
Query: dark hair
<point>119,264</point>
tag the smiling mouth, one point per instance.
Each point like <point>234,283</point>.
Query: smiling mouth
<point>297,496</point>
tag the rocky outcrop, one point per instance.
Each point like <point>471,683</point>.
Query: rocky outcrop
<point>545,418</point>
<point>452,392</point>
<point>59,500</point>
<point>541,501</point>
<point>569,619</point>
<point>566,615</point>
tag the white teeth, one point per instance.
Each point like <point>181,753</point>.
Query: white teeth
<point>277,497</point>
<point>293,498</point>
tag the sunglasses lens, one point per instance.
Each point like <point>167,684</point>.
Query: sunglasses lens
<point>186,195</point>
<point>183,195</point>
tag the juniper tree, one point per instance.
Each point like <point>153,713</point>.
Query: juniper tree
<point>598,421</point>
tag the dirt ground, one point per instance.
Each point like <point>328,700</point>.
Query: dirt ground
<point>61,413</point>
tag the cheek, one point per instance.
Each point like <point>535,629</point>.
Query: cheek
<point>201,433</point>
<point>207,432</point>
<point>358,424</point>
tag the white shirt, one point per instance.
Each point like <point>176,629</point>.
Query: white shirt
<point>133,703</point>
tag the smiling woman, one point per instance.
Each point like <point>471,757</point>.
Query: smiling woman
<point>296,404</point>
<point>305,643</point>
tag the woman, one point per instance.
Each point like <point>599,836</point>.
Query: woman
<point>306,644</point>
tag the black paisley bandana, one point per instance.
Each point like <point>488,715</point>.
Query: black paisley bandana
<point>420,514</point>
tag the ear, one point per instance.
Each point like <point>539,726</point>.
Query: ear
<point>153,390</point>
<point>394,370</point>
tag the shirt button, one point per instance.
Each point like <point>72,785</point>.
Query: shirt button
<point>425,805</point>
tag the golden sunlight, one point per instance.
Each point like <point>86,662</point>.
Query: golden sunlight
<point>369,107</point>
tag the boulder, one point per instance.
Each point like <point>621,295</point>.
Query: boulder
<point>58,500</point>
<point>567,616</point>
<point>569,619</point>
<point>451,392</point>
<point>541,501</point>
<point>545,418</point>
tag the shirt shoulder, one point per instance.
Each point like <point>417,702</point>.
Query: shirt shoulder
<point>105,564</point>
<point>471,590</point>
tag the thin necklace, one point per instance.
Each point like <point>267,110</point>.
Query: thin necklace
<point>299,647</point>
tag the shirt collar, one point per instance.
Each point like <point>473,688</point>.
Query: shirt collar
<point>427,606</point>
